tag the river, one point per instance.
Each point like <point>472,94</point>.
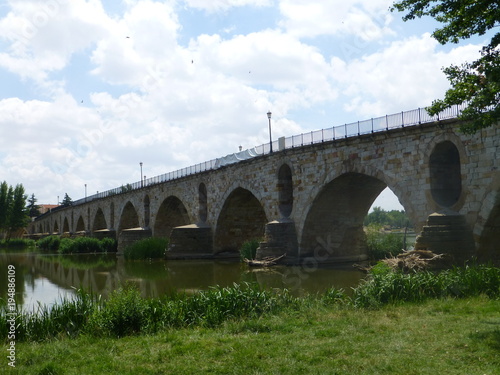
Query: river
<point>45,279</point>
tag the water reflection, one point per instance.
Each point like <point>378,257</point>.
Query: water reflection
<point>47,278</point>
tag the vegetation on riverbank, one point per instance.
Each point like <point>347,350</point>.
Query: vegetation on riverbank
<point>248,249</point>
<point>125,312</point>
<point>382,245</point>
<point>148,248</point>
<point>79,245</point>
<point>444,336</point>
<point>16,243</point>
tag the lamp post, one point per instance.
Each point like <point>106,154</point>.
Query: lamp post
<point>270,138</point>
<point>142,183</point>
<point>85,192</point>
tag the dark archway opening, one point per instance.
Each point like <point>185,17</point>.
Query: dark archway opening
<point>80,225</point>
<point>242,218</point>
<point>489,248</point>
<point>172,213</point>
<point>129,218</point>
<point>99,221</point>
<point>445,176</point>
<point>333,230</point>
<point>147,211</point>
<point>66,225</point>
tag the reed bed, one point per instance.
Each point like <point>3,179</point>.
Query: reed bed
<point>80,245</point>
<point>148,248</point>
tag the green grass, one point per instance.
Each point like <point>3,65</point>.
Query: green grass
<point>445,336</point>
<point>148,248</point>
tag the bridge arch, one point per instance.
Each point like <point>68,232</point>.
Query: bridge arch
<point>129,218</point>
<point>241,218</point>
<point>445,174</point>
<point>99,220</point>
<point>147,211</point>
<point>56,227</point>
<point>172,213</point>
<point>66,226</point>
<point>333,228</point>
<point>80,224</point>
<point>487,227</point>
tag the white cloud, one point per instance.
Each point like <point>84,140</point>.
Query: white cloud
<point>404,75</point>
<point>367,19</point>
<point>213,6</point>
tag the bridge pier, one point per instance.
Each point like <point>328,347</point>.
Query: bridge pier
<point>447,232</point>
<point>280,238</point>
<point>128,236</point>
<point>190,241</point>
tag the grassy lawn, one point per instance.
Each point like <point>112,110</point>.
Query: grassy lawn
<point>434,337</point>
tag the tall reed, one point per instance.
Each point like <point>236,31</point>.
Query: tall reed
<point>148,248</point>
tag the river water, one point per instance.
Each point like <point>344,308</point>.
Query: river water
<point>45,279</point>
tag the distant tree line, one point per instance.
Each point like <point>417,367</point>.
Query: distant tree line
<point>13,212</point>
<point>393,219</point>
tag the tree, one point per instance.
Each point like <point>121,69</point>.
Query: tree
<point>18,218</point>
<point>476,84</point>
<point>32,208</point>
<point>67,201</point>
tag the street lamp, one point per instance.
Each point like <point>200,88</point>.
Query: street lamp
<point>142,183</point>
<point>85,192</point>
<point>270,138</point>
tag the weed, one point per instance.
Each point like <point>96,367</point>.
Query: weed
<point>149,248</point>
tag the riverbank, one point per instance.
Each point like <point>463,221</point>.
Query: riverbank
<point>452,336</point>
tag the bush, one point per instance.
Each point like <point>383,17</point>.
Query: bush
<point>249,249</point>
<point>50,243</point>
<point>382,245</point>
<point>108,245</point>
<point>149,248</point>
<point>83,245</point>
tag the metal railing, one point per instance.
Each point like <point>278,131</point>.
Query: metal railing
<point>354,129</point>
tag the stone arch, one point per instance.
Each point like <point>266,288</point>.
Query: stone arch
<point>147,211</point>
<point>112,216</point>
<point>99,221</point>
<point>202,203</point>
<point>285,191</point>
<point>80,224</point>
<point>172,213</point>
<point>129,218</point>
<point>66,226</point>
<point>241,218</point>
<point>487,229</point>
<point>445,174</point>
<point>56,227</point>
<point>333,228</point>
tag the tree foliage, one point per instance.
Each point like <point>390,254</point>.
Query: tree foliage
<point>393,219</point>
<point>32,208</point>
<point>13,214</point>
<point>477,83</point>
<point>67,201</point>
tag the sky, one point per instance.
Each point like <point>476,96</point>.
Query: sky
<point>91,88</point>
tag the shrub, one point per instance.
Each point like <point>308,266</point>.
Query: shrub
<point>17,243</point>
<point>80,245</point>
<point>50,243</point>
<point>382,245</point>
<point>108,245</point>
<point>249,249</point>
<point>149,248</point>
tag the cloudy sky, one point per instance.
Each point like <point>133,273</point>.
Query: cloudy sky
<point>90,88</point>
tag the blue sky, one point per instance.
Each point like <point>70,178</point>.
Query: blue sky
<point>90,88</point>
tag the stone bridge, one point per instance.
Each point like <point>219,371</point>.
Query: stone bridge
<point>309,199</point>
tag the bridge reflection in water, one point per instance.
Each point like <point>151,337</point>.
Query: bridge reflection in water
<point>48,278</point>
